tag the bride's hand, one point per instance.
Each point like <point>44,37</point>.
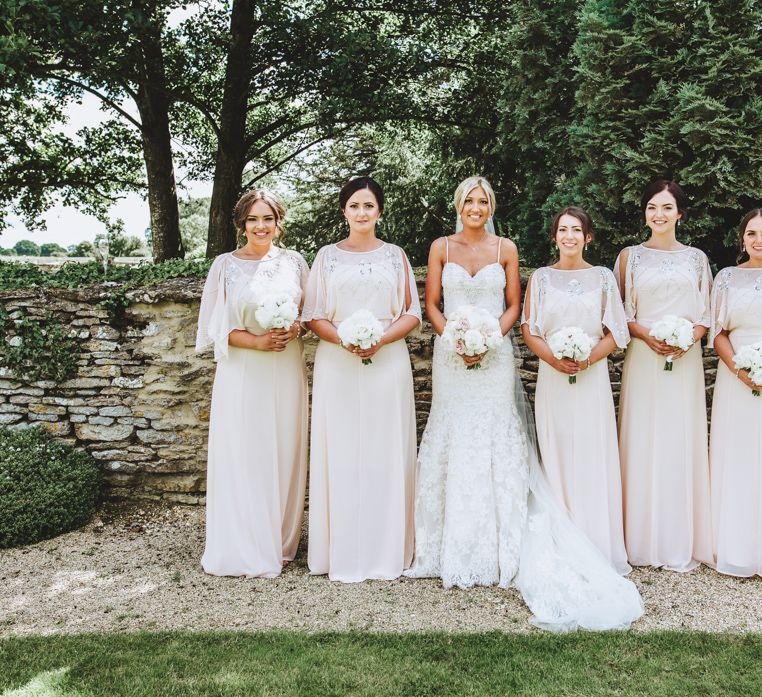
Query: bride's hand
<point>472,360</point>
<point>567,366</point>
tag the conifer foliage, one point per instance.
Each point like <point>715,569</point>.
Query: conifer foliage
<point>667,90</point>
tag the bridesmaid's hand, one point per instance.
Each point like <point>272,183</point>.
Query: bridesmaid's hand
<point>568,366</point>
<point>677,353</point>
<point>369,352</point>
<point>661,347</point>
<point>271,341</point>
<point>743,376</point>
<point>287,334</point>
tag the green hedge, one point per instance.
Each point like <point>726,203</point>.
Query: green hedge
<point>74,275</point>
<point>46,487</point>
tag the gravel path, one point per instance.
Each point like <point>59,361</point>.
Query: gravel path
<point>136,567</point>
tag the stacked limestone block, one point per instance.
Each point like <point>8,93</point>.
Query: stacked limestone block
<point>140,400</point>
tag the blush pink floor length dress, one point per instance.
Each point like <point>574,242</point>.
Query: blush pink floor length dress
<point>363,439</point>
<point>663,442</point>
<point>257,462</point>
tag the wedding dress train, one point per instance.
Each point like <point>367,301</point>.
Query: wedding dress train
<point>484,512</point>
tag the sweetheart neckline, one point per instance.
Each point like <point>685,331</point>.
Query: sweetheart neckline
<point>486,266</point>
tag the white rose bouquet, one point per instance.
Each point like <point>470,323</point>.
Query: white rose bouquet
<point>471,331</point>
<point>361,329</point>
<point>750,358</point>
<point>277,311</point>
<point>675,331</point>
<point>571,342</point>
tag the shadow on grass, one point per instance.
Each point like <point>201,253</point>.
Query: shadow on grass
<point>286,663</point>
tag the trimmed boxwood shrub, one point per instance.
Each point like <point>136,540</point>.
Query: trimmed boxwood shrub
<point>46,487</point>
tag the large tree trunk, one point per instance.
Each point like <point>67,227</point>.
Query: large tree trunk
<point>153,106</point>
<point>231,146</point>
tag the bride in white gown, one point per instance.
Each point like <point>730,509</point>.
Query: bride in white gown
<point>484,512</point>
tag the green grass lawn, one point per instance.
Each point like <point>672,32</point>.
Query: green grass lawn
<point>284,663</point>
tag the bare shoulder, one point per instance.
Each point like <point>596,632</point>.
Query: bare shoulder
<point>437,248</point>
<point>508,250</point>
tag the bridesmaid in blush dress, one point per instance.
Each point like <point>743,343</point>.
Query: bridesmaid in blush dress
<point>576,424</point>
<point>663,443</point>
<point>362,454</point>
<point>736,442</point>
<point>257,465</point>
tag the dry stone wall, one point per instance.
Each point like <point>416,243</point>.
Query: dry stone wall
<point>139,402</point>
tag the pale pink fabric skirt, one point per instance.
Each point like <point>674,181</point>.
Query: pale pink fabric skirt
<point>257,466</point>
<point>576,434</point>
<point>362,464</point>
<point>663,448</point>
<point>736,465</point>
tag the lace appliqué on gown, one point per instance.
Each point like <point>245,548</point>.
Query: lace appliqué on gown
<point>471,490</point>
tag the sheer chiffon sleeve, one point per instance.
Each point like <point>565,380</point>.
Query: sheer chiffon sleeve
<point>533,320</point>
<point>213,315</point>
<point>626,289</point>
<point>408,282</point>
<point>705,289</point>
<point>719,305</point>
<point>613,315</point>
<point>304,274</point>
<point>316,292</point>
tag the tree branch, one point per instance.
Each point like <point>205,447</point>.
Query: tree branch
<point>290,157</point>
<point>280,138</point>
<point>109,102</point>
<point>202,108</point>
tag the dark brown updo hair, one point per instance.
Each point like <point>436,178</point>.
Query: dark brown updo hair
<point>576,212</point>
<point>242,208</point>
<point>753,213</point>
<point>358,183</point>
<point>656,187</point>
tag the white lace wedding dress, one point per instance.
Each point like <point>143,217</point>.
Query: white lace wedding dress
<point>484,513</point>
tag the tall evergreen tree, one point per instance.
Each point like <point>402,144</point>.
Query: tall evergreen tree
<point>668,90</point>
<point>535,102</point>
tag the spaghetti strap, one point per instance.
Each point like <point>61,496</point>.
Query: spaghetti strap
<point>447,251</point>
<point>499,242</point>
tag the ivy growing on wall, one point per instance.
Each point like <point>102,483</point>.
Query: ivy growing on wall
<point>121,279</point>
<point>37,350</point>
<point>14,276</point>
